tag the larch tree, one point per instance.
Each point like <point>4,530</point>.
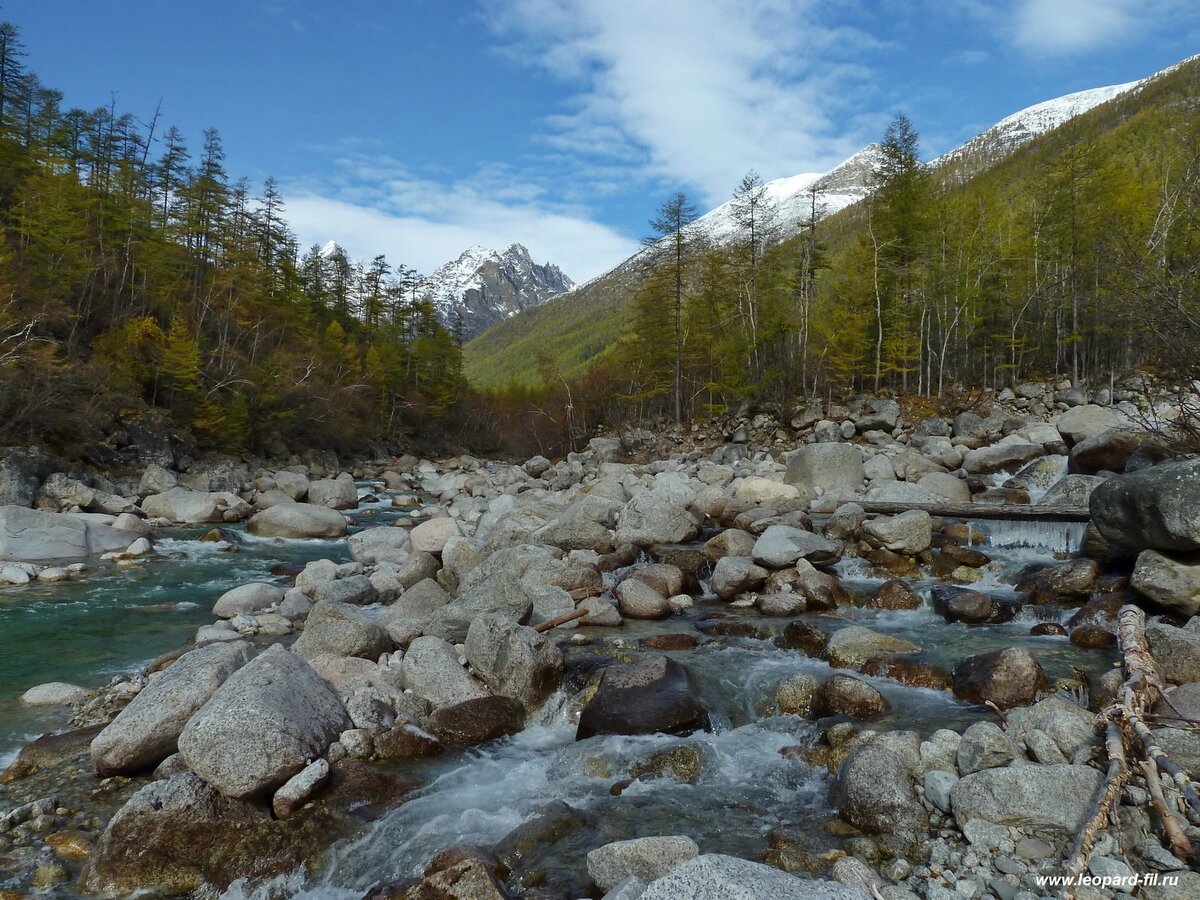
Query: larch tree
<point>670,227</point>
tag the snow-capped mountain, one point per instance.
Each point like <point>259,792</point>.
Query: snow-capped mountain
<point>486,286</point>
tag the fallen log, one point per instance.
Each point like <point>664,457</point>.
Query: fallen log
<point>560,620</point>
<point>1019,512</point>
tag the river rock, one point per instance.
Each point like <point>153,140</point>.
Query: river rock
<point>342,630</point>
<point>637,600</point>
<point>147,730</point>
<point>34,536</point>
<point>1154,508</point>
<point>193,507</point>
<point>513,660</point>
<point>1000,457</point>
<point>845,695</point>
<point>299,520</point>
<point>263,725</point>
<point>909,532</point>
<point>730,542</point>
<point>781,546</point>
<point>845,522</point>
<point>300,788</point>
<point>505,595</point>
<point>896,594</point>
<point>794,696</point>
<point>984,746</point>
<point>1055,797</point>
<point>54,693</point>
<point>733,575</point>
<point>431,536</point>
<point>1172,582</point>
<point>174,834</point>
<point>156,480</point>
<point>971,607</point>
<point>713,876</point>
<point>1071,727</point>
<point>655,517</point>
<point>549,824</point>
<point>821,468</point>
<point>1176,652</point>
<point>1009,677</point>
<point>1071,490</point>
<point>431,670</point>
<point>945,486</point>
<point>335,493</point>
<point>850,647</point>
<point>646,858</point>
<point>477,720</point>
<point>1109,451</point>
<point>247,598</point>
<point>654,695</point>
<point>873,791</point>
<point>385,543</point>
<point>1082,422</point>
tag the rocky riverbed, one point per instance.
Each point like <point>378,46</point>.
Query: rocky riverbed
<point>656,668</point>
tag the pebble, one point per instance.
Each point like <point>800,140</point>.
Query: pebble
<point>1033,848</point>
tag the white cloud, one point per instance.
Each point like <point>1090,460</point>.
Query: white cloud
<point>695,91</point>
<point>376,208</point>
<point>1077,26</point>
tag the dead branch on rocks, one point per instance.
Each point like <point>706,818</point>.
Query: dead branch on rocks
<point>560,620</point>
<point>1124,724</point>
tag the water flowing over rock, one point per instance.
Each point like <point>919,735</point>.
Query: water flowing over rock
<point>656,694</point>
<point>147,730</point>
<point>263,725</point>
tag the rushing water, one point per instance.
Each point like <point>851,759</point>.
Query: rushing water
<point>113,621</point>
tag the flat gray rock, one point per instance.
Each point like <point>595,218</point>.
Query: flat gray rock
<point>714,876</point>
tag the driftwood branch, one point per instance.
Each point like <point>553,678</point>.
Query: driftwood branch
<point>560,620</point>
<point>1020,512</point>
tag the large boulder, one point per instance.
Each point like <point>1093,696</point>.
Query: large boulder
<point>655,517</point>
<point>33,536</point>
<point>335,493</point>
<point>513,660</point>
<point>1071,490</point>
<point>820,468</point>
<point>341,629</point>
<point>385,543</point>
<point>1052,797</point>
<point>247,598</point>
<point>1082,422</point>
<point>299,520</point>
<point>1170,581</point>
<point>1153,509</point>
<point>431,670</point>
<point>845,695</point>
<point>654,695</point>
<point>850,647</point>
<point>268,721</point>
<point>20,472</point>
<point>638,600</point>
<point>781,546</point>
<point>713,876</point>
<point>909,532</point>
<point>873,791</point>
<point>431,536</point>
<point>478,720</point>
<point>1176,652</point>
<point>1001,457</point>
<point>645,858</point>
<point>1109,451</point>
<point>1008,678</point>
<point>505,595</point>
<point>733,575</point>
<point>147,731</point>
<point>195,507</point>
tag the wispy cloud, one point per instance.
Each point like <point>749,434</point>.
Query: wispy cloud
<point>695,92</point>
<point>969,58</point>
<point>1078,26</point>
<point>375,205</point>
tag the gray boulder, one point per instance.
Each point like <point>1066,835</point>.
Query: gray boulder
<point>646,858</point>
<point>341,629</point>
<point>909,532</point>
<point>1071,490</point>
<point>1071,727</point>
<point>781,546</point>
<point>268,721</point>
<point>638,600</point>
<point>513,660</point>
<point>1109,451</point>
<point>1001,457</point>
<point>194,507</point>
<point>1009,677</point>
<point>431,670</point>
<point>1082,422</point>
<point>504,595</point>
<point>1153,509</point>
<point>850,647</point>
<point>1170,581</point>
<point>1176,652</point>
<point>733,575</point>
<point>654,695</point>
<point>33,536</point>
<point>873,791</point>
<point>984,746</point>
<point>1055,797</point>
<point>335,493</point>
<point>385,543</point>
<point>714,876</point>
<point>298,520</point>
<point>820,468</point>
<point>147,730</point>
<point>247,598</point>
<point>654,517</point>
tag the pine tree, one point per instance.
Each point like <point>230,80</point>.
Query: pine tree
<point>670,225</point>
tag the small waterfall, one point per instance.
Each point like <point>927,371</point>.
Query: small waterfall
<point>1056,537</point>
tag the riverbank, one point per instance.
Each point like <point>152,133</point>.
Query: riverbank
<point>900,703</point>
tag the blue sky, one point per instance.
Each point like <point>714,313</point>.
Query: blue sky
<point>417,127</point>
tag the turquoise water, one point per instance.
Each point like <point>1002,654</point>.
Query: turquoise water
<point>113,620</point>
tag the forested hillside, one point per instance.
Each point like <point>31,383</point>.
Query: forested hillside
<point>137,273</point>
<point>1076,254</point>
